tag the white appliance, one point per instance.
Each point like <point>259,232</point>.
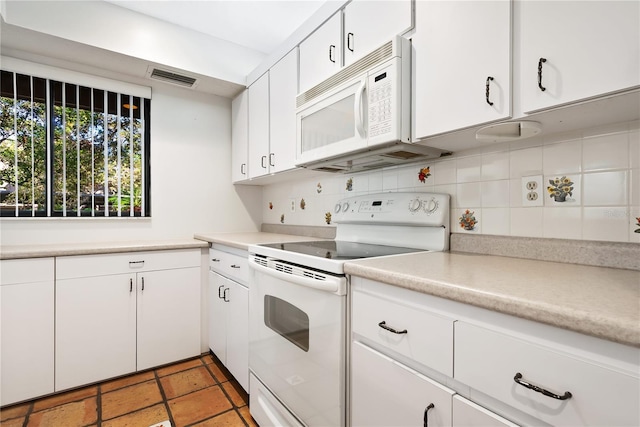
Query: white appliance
<point>298,306</point>
<point>359,118</point>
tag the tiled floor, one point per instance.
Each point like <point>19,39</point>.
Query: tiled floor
<point>197,392</point>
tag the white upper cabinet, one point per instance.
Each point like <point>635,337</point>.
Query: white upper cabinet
<point>239,137</point>
<point>321,53</point>
<point>259,127</point>
<point>283,82</point>
<point>369,24</point>
<point>462,65</point>
<point>569,51</point>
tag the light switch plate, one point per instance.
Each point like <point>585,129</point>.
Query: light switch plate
<point>532,191</point>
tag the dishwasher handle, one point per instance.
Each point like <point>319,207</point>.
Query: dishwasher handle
<point>329,283</point>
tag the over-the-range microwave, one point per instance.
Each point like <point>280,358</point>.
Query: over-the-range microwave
<point>360,118</point>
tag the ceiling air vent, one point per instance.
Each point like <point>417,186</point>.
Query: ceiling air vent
<point>171,77</point>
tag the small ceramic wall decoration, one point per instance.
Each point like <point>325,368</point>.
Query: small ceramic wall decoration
<point>270,205</point>
<point>637,230</point>
<point>424,174</point>
<point>560,188</point>
<point>319,188</point>
<point>282,218</point>
<point>327,217</point>
<point>467,220</point>
<point>302,204</point>
<point>350,184</point>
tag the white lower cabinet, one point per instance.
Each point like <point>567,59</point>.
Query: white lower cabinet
<point>229,313</point>
<point>117,314</point>
<point>388,393</point>
<point>468,414</point>
<point>27,328</point>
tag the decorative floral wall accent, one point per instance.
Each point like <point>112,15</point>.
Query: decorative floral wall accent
<point>424,174</point>
<point>350,184</point>
<point>282,218</point>
<point>637,230</point>
<point>467,220</point>
<point>319,188</point>
<point>270,205</point>
<point>327,217</point>
<point>560,188</point>
<point>303,204</point>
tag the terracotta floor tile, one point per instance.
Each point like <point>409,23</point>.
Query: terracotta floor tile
<point>184,382</point>
<point>246,415</point>
<point>126,381</point>
<point>239,398</point>
<point>189,409</point>
<point>74,414</point>
<point>228,419</point>
<point>172,369</point>
<point>218,373</point>
<point>144,417</point>
<point>14,422</point>
<point>207,359</point>
<point>60,399</point>
<point>129,399</point>
<point>14,411</point>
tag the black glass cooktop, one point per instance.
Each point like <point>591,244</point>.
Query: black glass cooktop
<point>339,250</point>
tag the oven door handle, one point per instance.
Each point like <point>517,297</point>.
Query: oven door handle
<point>336,285</point>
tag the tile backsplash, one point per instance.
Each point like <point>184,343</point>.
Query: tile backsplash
<point>590,187</point>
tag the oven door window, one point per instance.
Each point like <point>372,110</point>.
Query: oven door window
<point>287,320</point>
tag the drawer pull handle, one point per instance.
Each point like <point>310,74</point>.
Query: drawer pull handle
<point>215,260</point>
<point>384,326</point>
<point>136,264</point>
<point>426,410</point>
<point>518,379</point>
<point>235,266</point>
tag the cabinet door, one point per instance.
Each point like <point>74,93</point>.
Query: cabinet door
<point>387,393</point>
<point>168,316</point>
<point>217,316</point>
<point>238,332</point>
<point>26,321</point>
<point>95,329</point>
<point>460,47</point>
<point>591,48</point>
<point>283,88</point>
<point>321,53</point>
<point>468,414</point>
<point>370,24</point>
<point>259,127</point>
<point>239,137</point>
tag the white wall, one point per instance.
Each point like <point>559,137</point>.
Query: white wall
<point>603,163</point>
<point>191,188</point>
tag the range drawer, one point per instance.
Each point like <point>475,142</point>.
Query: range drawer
<point>410,330</point>
<point>232,266</point>
<point>602,395</point>
<point>69,267</point>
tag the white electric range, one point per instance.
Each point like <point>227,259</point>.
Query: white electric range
<point>298,303</point>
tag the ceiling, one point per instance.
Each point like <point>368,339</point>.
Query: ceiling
<point>261,25</point>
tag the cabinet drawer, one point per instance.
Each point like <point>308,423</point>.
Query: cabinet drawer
<point>428,338</point>
<point>27,270</point>
<point>230,265</point>
<point>488,360</point>
<point>130,262</point>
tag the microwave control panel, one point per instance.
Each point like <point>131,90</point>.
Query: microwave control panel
<point>381,109</point>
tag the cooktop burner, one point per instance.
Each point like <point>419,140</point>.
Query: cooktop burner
<point>340,250</point>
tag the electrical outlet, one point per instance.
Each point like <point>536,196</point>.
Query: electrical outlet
<point>292,205</point>
<point>532,191</point>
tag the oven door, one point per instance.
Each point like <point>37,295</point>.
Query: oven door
<point>297,343</point>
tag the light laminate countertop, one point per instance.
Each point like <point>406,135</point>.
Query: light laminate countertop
<point>92,248</point>
<point>597,301</point>
<point>242,240</point>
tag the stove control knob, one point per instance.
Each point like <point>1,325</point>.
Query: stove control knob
<point>415,205</point>
<point>345,206</point>
<point>337,208</point>
<point>431,206</point>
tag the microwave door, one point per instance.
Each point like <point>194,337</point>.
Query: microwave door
<point>333,125</point>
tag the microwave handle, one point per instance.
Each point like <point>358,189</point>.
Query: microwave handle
<point>358,109</point>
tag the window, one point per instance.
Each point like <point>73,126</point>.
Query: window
<point>72,150</point>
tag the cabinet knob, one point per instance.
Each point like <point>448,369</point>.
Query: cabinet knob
<point>540,62</point>
<point>489,79</point>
